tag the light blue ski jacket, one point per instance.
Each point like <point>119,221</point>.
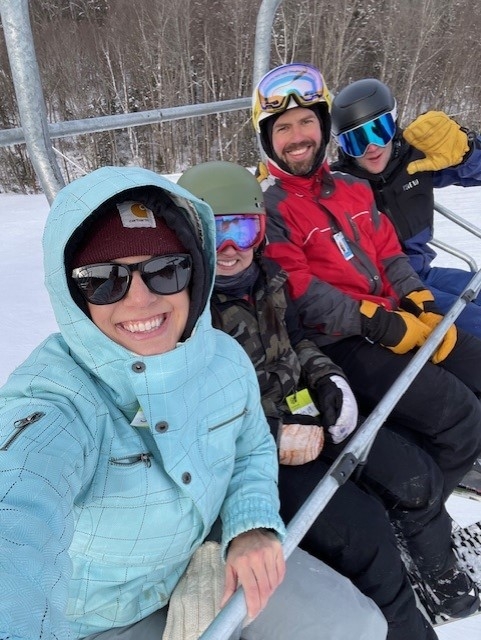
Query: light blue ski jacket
<point>99,518</point>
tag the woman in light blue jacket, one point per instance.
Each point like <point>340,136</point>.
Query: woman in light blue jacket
<point>124,437</point>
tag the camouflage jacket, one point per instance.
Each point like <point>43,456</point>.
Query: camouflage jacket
<point>267,326</point>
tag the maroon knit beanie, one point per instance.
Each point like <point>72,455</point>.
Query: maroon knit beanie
<point>131,229</point>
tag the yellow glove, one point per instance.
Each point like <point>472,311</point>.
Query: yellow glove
<point>440,138</point>
<point>418,301</point>
<point>422,304</point>
<point>448,342</point>
<point>261,172</point>
<point>399,331</point>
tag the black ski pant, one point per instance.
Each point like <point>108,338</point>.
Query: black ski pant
<point>410,486</point>
<point>440,410</point>
<point>354,536</point>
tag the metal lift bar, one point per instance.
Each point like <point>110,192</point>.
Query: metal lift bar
<point>447,213</point>
<point>355,453</point>
<point>455,252</point>
<point>450,215</point>
<point>30,98</point>
<point>122,120</point>
<point>37,133</point>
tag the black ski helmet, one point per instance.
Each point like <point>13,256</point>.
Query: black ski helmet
<point>361,102</point>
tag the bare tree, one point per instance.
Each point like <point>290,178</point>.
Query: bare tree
<point>117,56</point>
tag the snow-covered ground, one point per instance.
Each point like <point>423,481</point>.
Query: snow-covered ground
<point>28,318</point>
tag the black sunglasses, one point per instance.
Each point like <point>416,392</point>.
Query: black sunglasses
<point>108,282</point>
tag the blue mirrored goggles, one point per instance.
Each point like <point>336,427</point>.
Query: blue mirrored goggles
<point>379,131</point>
<point>240,231</point>
<point>302,82</point>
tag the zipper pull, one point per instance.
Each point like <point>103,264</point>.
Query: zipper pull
<point>20,425</point>
<point>145,457</point>
<point>24,422</point>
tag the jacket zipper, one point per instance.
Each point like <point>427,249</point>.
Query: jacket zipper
<point>20,426</point>
<point>129,461</point>
<point>222,424</point>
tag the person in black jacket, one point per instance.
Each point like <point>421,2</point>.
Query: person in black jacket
<point>312,411</point>
<point>403,168</point>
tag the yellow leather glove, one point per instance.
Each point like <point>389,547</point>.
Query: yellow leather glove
<point>440,138</point>
<point>261,172</point>
<point>449,340</point>
<point>299,443</point>
<point>418,301</point>
<point>399,331</point>
<point>422,304</point>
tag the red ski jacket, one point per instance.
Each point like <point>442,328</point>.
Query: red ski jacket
<point>337,248</point>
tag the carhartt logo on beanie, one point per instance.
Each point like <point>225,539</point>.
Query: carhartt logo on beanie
<point>131,229</point>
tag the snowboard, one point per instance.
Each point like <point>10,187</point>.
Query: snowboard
<point>467,547</point>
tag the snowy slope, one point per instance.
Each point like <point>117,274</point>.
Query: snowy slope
<point>27,317</point>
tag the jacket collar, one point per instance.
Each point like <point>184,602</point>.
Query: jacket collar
<point>305,185</point>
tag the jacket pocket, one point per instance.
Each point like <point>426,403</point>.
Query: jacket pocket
<point>220,436</point>
<point>228,421</point>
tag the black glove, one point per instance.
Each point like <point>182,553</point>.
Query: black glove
<point>338,407</point>
<point>328,400</point>
<point>399,331</point>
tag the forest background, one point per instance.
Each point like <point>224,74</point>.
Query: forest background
<point>104,57</point>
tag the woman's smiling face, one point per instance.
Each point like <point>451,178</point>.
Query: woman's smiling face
<point>143,322</point>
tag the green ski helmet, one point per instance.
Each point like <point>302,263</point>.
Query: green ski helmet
<point>236,199</point>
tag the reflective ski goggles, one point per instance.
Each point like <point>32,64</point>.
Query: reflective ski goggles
<point>302,82</point>
<point>379,131</point>
<point>240,231</point>
<point>108,282</point>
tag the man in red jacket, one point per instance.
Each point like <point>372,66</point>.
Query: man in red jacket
<point>355,291</point>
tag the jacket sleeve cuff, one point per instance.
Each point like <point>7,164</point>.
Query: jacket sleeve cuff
<point>473,142</point>
<point>250,514</point>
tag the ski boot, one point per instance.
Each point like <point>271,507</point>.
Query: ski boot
<point>455,594</point>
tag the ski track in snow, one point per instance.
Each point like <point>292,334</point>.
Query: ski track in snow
<point>28,318</point>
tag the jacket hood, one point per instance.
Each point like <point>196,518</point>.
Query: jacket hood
<point>75,207</point>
